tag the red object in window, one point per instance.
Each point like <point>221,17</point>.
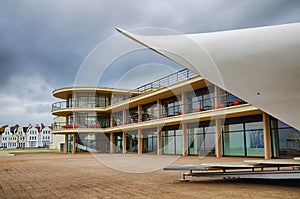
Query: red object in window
<point>221,105</point>
<point>236,102</point>
<point>97,125</point>
<point>179,112</point>
<point>198,109</point>
<point>76,125</point>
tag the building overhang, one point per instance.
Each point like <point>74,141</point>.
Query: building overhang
<point>259,65</point>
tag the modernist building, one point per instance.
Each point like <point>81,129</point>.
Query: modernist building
<point>180,114</point>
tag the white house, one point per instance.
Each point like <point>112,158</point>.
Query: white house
<point>33,137</point>
<point>17,138</point>
<point>20,137</point>
<point>5,137</point>
<point>45,137</point>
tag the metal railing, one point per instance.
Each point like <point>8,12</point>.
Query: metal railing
<point>176,110</point>
<point>166,81</point>
<point>210,104</point>
<point>59,105</point>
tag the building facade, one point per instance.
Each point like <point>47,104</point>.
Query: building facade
<point>26,137</point>
<point>181,114</point>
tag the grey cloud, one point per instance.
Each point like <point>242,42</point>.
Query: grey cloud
<point>50,38</point>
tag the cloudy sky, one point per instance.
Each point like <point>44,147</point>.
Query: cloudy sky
<point>43,43</point>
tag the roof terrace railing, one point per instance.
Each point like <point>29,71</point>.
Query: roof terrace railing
<point>166,81</point>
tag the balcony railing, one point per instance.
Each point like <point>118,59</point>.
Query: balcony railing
<point>210,104</point>
<point>64,125</point>
<point>166,111</point>
<point>59,105</point>
<point>166,81</point>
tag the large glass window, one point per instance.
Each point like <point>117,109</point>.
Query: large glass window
<point>200,99</point>
<point>120,97</point>
<point>118,141</point>
<point>172,140</point>
<point>149,111</point>
<point>70,100</point>
<point>171,106</point>
<point>132,141</point>
<point>131,115</point>
<point>118,118</point>
<point>201,138</point>
<point>87,100</point>
<point>285,139</point>
<point>254,138</point>
<point>243,136</point>
<point>150,141</point>
<point>228,99</point>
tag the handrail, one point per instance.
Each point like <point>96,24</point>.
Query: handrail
<point>166,81</point>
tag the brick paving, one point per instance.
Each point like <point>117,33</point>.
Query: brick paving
<point>82,176</point>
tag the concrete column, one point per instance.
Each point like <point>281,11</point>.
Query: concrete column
<point>140,141</point>
<point>124,116</point>
<point>217,96</point>
<point>184,140</point>
<point>111,143</point>
<point>124,142</point>
<point>218,150</point>
<point>111,119</point>
<point>159,141</point>
<point>112,98</point>
<point>158,108</point>
<point>66,144</point>
<point>74,143</point>
<point>139,113</point>
<point>183,100</point>
<point>267,136</point>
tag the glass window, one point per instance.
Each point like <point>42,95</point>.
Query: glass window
<point>149,111</point>
<point>285,140</point>
<point>255,142</point>
<point>171,106</point>
<point>172,140</point>
<point>234,143</point>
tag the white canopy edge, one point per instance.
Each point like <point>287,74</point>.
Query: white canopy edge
<point>259,65</point>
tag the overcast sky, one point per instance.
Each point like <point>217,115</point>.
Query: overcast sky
<point>44,42</point>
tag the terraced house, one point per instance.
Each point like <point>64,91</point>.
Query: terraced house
<point>179,114</point>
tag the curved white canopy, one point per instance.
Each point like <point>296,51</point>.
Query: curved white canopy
<point>259,65</point>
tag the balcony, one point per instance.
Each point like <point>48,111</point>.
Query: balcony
<point>167,111</point>
<point>166,81</point>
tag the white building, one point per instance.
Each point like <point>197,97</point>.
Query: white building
<point>18,138</point>
<point>5,137</point>
<point>45,137</point>
<point>33,137</point>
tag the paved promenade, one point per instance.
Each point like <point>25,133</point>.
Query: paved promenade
<point>87,176</point>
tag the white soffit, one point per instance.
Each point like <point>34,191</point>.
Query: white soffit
<point>259,65</point>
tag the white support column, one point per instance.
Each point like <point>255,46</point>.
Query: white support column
<point>124,116</point>
<point>267,136</point>
<point>140,141</point>
<point>66,144</point>
<point>74,143</point>
<point>218,150</point>
<point>159,141</point>
<point>139,113</point>
<point>124,142</point>
<point>159,113</point>
<point>217,96</point>
<point>184,140</point>
<point>183,100</point>
<point>111,143</point>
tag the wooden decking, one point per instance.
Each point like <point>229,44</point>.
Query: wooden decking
<point>251,169</point>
